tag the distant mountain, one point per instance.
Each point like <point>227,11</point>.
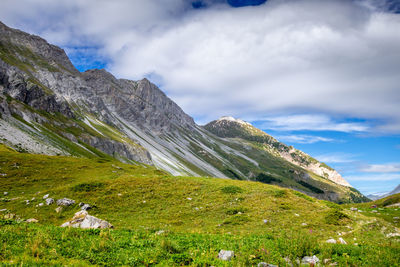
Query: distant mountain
<point>49,107</point>
<point>384,194</point>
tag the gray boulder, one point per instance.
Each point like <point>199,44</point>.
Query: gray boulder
<point>226,255</point>
<point>310,260</point>
<point>82,219</point>
<point>49,201</point>
<point>65,202</point>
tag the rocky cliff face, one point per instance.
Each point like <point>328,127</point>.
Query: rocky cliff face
<point>47,106</point>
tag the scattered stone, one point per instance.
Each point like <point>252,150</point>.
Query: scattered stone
<point>32,220</point>
<point>310,260</point>
<point>266,221</point>
<point>303,224</point>
<point>297,215</point>
<point>353,209</point>
<point>326,261</point>
<point>226,255</point>
<point>3,174</point>
<point>144,201</point>
<point>40,204</point>
<point>82,219</point>
<point>5,193</point>
<point>65,202</point>
<point>396,218</point>
<point>3,210</point>
<point>49,201</point>
<point>46,196</point>
<point>33,199</point>
<point>333,264</point>
<point>196,208</point>
<point>119,194</point>
<point>341,241</point>
<point>9,216</point>
<point>86,207</point>
<point>59,209</point>
<point>393,234</point>
<point>374,211</point>
<point>331,241</point>
<point>360,211</point>
<point>27,202</point>
<point>264,264</point>
<point>189,198</point>
<point>160,232</point>
<point>355,244</point>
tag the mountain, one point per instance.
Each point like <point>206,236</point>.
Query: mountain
<point>377,196</point>
<point>49,107</point>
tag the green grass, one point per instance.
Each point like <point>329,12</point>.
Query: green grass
<point>164,220</point>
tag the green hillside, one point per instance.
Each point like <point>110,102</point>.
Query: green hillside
<point>164,220</point>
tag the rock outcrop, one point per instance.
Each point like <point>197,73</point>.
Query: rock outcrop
<point>83,220</point>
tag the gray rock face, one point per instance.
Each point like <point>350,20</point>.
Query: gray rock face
<point>82,219</point>
<point>65,202</point>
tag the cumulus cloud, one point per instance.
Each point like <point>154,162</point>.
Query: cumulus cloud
<point>337,58</point>
<point>303,139</point>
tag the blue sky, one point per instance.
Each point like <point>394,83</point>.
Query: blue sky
<point>322,76</point>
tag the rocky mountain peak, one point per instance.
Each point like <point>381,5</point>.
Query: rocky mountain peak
<point>32,44</point>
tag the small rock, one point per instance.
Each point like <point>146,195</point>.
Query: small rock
<point>355,244</point>
<point>264,264</point>
<point>82,219</point>
<point>360,211</point>
<point>65,202</point>
<point>396,218</point>
<point>81,204</point>
<point>333,264</point>
<point>226,255</point>
<point>266,221</point>
<point>3,210</point>
<point>40,204</point>
<point>331,241</point>
<point>160,232</point>
<point>86,207</point>
<point>297,215</point>
<point>196,208</point>
<point>49,201</point>
<point>374,211</point>
<point>119,194</point>
<point>326,261</point>
<point>32,220</point>
<point>392,235</point>
<point>303,224</point>
<point>27,202</point>
<point>33,199</point>
<point>59,209</point>
<point>310,260</point>
<point>5,193</point>
<point>9,216</point>
<point>341,241</point>
<point>189,198</point>
<point>353,209</point>
<point>45,196</point>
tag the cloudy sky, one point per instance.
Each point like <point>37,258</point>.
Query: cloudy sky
<point>323,76</point>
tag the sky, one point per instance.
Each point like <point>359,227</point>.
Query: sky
<point>323,76</point>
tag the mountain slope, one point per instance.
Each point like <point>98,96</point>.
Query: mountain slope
<point>49,107</point>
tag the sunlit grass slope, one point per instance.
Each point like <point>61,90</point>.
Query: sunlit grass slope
<point>166,220</point>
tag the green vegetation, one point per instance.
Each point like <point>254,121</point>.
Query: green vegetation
<point>172,221</point>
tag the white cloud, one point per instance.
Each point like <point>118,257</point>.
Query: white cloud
<point>303,139</point>
<point>381,168</point>
<point>310,122</point>
<point>336,158</point>
<point>373,177</point>
<point>283,57</point>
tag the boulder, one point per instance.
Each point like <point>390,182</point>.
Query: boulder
<point>32,220</point>
<point>49,201</point>
<point>59,209</point>
<point>86,207</point>
<point>65,202</point>
<point>82,219</point>
<point>310,260</point>
<point>226,255</point>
